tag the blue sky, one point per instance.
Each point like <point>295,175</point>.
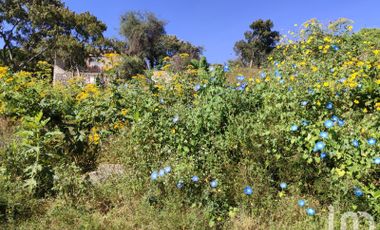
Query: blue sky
<point>217,25</point>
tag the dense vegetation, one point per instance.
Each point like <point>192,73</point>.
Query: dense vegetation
<point>202,146</point>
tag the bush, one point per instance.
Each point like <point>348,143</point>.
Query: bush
<point>306,126</point>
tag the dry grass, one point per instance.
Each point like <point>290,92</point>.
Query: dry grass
<point>7,128</point>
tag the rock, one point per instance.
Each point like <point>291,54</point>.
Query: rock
<point>105,171</point>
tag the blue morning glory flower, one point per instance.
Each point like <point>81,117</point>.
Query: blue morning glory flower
<point>355,143</point>
<point>277,73</point>
<point>335,47</point>
<point>248,191</point>
<point>329,123</point>
<point>180,184</point>
<point>162,101</point>
<point>376,161</point>
<point>282,81</point>
<point>154,175</point>
<point>283,185</point>
<point>371,141</point>
<point>319,146</point>
<point>332,70</point>
<point>310,91</point>
<point>161,173</point>
<point>263,74</point>
<point>329,105</point>
<point>290,89</point>
<point>195,179</point>
<point>167,169</point>
<point>242,87</point>
<point>334,118</point>
<point>324,134</point>
<point>358,192</point>
<point>294,65</point>
<point>276,63</point>
<point>323,155</point>
<point>310,212</point>
<point>214,183</point>
<point>304,103</point>
<point>301,203</point>
<point>305,122</point>
<point>341,122</point>
<point>226,68</point>
<point>197,87</point>
<point>342,80</point>
<point>240,78</point>
<point>175,118</point>
<point>294,128</point>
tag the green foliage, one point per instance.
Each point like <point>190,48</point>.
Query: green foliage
<point>257,43</point>
<point>147,39</point>
<point>171,45</point>
<point>143,33</point>
<point>68,181</point>
<point>43,30</point>
<point>237,133</point>
<point>131,66</point>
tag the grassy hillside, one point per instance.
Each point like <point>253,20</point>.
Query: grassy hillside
<point>203,148</point>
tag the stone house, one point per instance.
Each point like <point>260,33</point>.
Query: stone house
<point>92,73</point>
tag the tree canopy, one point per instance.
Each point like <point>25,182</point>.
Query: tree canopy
<point>147,39</point>
<point>257,43</point>
<point>171,45</point>
<point>42,29</point>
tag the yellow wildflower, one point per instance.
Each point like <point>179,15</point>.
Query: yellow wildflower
<point>3,71</point>
<point>94,137</point>
<point>9,80</point>
<point>340,172</point>
<point>124,112</point>
<point>356,101</point>
<point>89,90</point>
<point>184,55</point>
<point>327,39</point>
<point>377,106</point>
<point>166,67</point>
<point>360,63</point>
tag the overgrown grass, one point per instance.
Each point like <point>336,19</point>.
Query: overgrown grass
<point>121,203</point>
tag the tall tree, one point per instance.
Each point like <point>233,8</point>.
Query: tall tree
<point>146,38</point>
<point>257,43</point>
<point>142,32</point>
<point>33,30</point>
<point>171,45</point>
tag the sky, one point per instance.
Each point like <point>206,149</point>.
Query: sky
<point>217,25</point>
